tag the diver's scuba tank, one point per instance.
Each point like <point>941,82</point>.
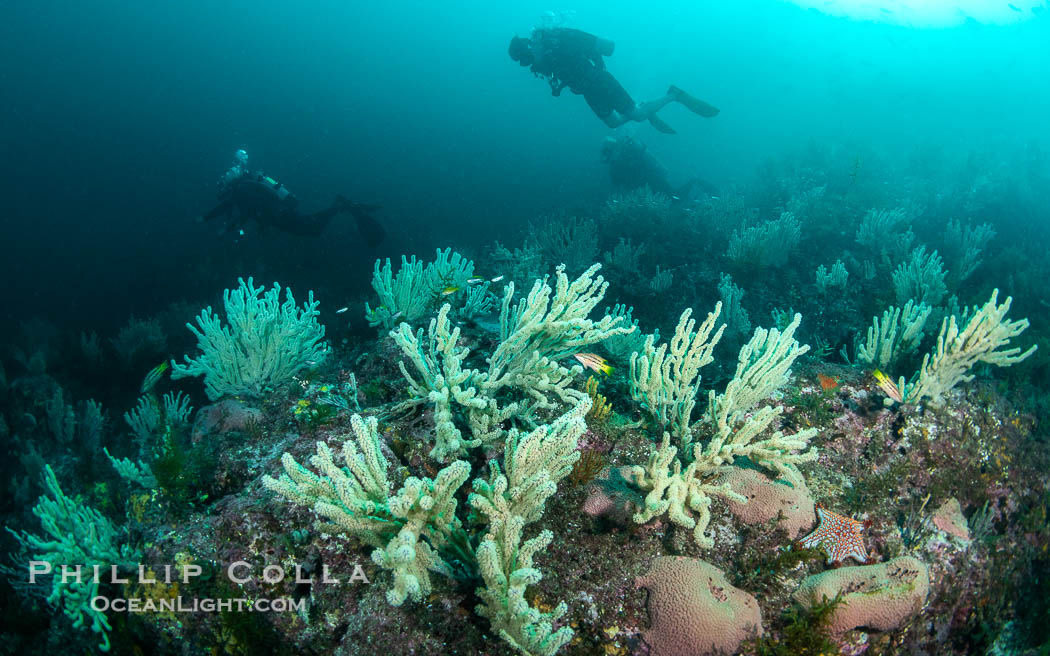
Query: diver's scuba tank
<point>281,191</point>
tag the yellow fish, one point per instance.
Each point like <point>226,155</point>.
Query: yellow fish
<point>888,386</point>
<point>449,290</point>
<point>594,362</point>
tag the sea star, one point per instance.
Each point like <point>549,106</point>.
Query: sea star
<point>840,538</point>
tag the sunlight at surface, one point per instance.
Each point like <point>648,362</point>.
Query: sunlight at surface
<point>931,13</point>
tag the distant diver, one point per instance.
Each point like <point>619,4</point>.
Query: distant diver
<point>633,166</point>
<point>572,58</point>
<point>246,195</point>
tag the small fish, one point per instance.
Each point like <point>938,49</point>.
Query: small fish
<point>594,362</point>
<point>341,310</point>
<point>888,386</point>
<point>448,291</point>
<point>475,280</point>
<point>153,377</point>
<point>496,279</point>
<point>1014,7</point>
<point>675,198</point>
<point>395,315</point>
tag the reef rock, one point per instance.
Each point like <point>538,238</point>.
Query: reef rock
<point>950,519</point>
<point>224,417</point>
<point>611,496</point>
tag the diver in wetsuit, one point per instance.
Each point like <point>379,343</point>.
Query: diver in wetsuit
<point>633,166</point>
<point>569,58</point>
<point>246,195</point>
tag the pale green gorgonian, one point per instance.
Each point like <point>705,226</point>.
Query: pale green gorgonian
<point>537,334</point>
<point>75,536</point>
<point>665,380</point>
<point>736,317</point>
<point>835,278</point>
<point>963,245</point>
<point>981,340</point>
<point>897,333</point>
<point>921,278</point>
<point>682,480</point>
<point>263,344</point>
<point>408,529</point>
<point>416,531</point>
<point>622,345</point>
<point>418,287</point>
<point>767,245</point>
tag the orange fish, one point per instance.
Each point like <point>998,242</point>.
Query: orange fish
<point>594,362</point>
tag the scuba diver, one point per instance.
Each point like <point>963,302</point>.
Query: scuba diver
<point>571,58</point>
<point>633,166</point>
<point>245,195</point>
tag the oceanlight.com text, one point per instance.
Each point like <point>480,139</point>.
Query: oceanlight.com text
<point>194,605</point>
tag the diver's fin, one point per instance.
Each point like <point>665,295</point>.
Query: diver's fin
<point>659,124</point>
<point>694,105</point>
<point>371,230</point>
